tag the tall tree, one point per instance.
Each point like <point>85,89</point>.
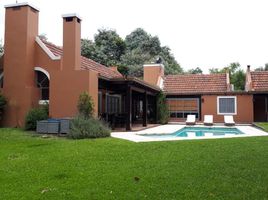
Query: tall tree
<point>130,54</point>
<point>196,70</point>
<point>144,48</point>
<point>107,48</point>
<point>237,75</point>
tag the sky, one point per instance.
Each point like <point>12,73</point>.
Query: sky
<point>200,33</point>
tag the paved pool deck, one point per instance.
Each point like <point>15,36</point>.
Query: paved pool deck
<point>138,136</point>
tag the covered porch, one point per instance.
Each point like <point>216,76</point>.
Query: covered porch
<point>126,102</point>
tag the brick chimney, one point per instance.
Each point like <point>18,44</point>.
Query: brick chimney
<point>230,87</point>
<point>21,29</point>
<point>71,42</point>
<point>154,74</point>
<point>248,84</point>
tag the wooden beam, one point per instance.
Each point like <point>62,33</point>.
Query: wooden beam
<point>144,109</point>
<point>129,109</point>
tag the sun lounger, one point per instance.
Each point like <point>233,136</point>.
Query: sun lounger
<point>229,120</point>
<point>190,120</point>
<point>208,120</point>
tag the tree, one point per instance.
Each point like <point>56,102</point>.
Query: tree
<point>88,49</point>
<point>143,48</point>
<point>85,105</point>
<point>162,108</point>
<point>195,71</point>
<point>265,68</point>
<point>237,75</point>
<point>130,54</point>
<point>238,79</point>
<point>107,48</point>
<point>171,65</point>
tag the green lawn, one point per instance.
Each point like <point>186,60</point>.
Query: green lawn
<point>263,125</point>
<point>32,167</point>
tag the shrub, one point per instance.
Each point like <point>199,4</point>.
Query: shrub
<point>3,102</point>
<point>81,127</point>
<point>34,115</point>
<point>162,109</point>
<point>85,105</point>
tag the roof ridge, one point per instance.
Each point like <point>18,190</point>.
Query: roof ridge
<point>217,74</point>
<point>86,63</point>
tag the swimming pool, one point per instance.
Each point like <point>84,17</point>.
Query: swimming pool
<point>199,132</point>
<point>170,132</point>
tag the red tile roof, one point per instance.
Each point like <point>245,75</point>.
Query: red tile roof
<point>195,83</point>
<point>86,63</point>
<point>259,80</point>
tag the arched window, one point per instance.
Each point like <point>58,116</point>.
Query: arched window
<point>42,82</point>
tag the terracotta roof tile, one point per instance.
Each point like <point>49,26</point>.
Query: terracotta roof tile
<point>195,83</point>
<point>86,63</point>
<point>259,80</point>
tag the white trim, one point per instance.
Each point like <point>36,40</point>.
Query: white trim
<point>43,102</point>
<point>42,70</point>
<point>226,97</point>
<point>71,15</point>
<point>46,50</point>
<point>20,5</point>
<point>161,83</point>
<point>154,65</point>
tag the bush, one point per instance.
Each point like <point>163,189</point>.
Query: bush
<point>85,105</point>
<point>162,109</point>
<point>81,127</point>
<point>34,115</point>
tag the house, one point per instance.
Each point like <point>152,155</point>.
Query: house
<point>34,71</point>
<point>206,94</point>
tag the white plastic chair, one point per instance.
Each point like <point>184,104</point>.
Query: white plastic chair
<point>190,120</point>
<point>208,120</point>
<point>229,120</point>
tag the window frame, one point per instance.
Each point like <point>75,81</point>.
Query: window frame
<point>184,112</point>
<point>119,102</point>
<point>226,97</point>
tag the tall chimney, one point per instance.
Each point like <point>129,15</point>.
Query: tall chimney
<point>248,82</point>
<point>71,42</point>
<point>154,74</point>
<point>21,29</point>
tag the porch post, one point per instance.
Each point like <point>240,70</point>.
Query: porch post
<point>129,108</point>
<point>144,109</point>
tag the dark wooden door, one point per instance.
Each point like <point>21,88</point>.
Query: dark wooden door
<point>260,108</point>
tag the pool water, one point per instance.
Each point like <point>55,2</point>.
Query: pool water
<point>201,132</point>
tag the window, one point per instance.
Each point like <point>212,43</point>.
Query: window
<point>226,105</point>
<point>113,104</point>
<point>42,82</point>
<point>181,107</point>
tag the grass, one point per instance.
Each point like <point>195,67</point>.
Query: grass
<point>32,167</point>
<point>263,125</point>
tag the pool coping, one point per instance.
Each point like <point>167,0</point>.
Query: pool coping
<point>144,135</point>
